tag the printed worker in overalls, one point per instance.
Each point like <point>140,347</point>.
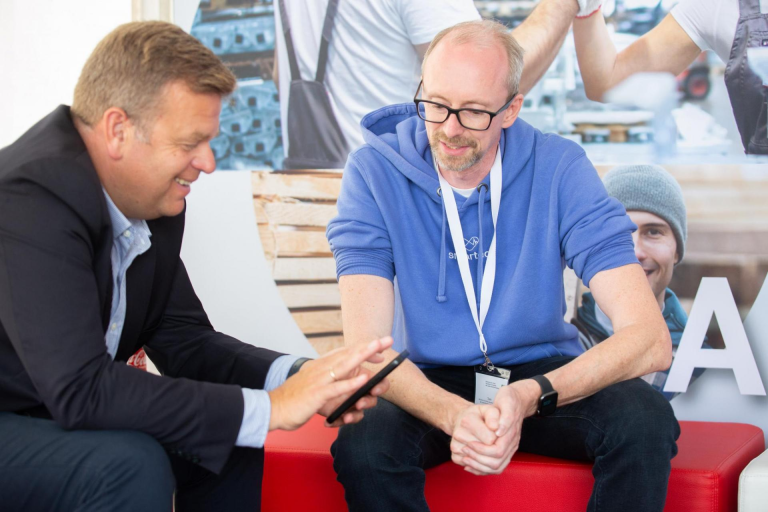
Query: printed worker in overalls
<point>727,27</point>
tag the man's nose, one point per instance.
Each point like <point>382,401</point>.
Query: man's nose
<point>452,127</point>
<point>205,160</point>
<point>639,249</point>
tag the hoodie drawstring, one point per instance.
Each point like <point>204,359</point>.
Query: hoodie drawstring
<point>441,277</point>
<point>441,297</point>
<point>482,190</point>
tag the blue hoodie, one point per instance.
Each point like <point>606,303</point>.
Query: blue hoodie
<point>554,210</point>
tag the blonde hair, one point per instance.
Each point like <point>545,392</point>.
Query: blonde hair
<point>130,67</point>
<point>485,33</point>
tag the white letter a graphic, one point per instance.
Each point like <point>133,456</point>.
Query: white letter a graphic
<point>714,297</point>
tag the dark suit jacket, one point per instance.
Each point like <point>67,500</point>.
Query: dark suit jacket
<point>55,301</point>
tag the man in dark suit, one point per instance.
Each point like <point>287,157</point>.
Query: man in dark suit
<point>91,223</point>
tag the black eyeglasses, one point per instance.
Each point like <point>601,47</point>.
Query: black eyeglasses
<point>469,118</point>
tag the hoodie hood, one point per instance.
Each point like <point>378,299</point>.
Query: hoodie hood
<point>399,135</point>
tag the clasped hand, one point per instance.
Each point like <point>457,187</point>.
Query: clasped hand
<point>485,437</point>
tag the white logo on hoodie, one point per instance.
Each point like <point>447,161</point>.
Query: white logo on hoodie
<point>471,245</point>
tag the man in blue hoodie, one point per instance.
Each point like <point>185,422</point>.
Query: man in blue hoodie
<point>654,202</point>
<point>455,222</point>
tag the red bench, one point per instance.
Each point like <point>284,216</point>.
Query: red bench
<point>705,475</point>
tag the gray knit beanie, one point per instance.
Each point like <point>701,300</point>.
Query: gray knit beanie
<point>651,189</point>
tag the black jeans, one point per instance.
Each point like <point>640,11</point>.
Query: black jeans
<point>628,430</point>
<point>46,468</point>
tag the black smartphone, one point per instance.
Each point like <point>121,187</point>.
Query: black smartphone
<point>349,402</point>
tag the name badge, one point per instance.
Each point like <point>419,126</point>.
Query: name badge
<point>489,382</point>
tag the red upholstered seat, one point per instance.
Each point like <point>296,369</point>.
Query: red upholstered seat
<point>299,475</point>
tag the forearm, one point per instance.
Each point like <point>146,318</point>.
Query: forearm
<point>596,54</point>
<point>667,49</point>
<point>368,309</point>
<point>410,390</point>
<point>541,35</point>
<point>641,343</point>
<point>632,352</point>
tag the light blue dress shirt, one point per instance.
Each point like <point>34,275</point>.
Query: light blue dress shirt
<point>131,238</point>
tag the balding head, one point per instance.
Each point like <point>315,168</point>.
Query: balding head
<point>484,34</point>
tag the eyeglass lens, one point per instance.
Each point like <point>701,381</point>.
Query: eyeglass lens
<point>472,119</point>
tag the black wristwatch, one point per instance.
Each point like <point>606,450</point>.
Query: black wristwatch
<point>298,364</point>
<point>548,399</point>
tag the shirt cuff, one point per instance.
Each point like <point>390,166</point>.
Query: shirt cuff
<point>278,372</point>
<point>256,413</point>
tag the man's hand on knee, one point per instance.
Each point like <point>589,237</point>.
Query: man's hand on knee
<point>323,384</point>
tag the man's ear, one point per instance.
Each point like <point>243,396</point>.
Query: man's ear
<point>510,115</point>
<point>116,127</point>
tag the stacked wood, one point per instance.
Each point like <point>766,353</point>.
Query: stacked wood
<point>293,209</point>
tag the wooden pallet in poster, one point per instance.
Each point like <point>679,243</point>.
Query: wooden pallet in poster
<point>292,210</point>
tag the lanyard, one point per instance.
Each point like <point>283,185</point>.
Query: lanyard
<point>457,235</point>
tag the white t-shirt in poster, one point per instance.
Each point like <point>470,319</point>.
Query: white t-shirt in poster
<point>711,24</point>
<point>372,61</point>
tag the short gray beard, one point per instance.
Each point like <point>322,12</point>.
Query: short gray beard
<point>456,168</point>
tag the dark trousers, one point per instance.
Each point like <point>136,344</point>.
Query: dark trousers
<point>46,468</point>
<point>628,430</point>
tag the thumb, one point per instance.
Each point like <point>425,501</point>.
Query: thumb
<point>506,416</point>
<point>491,417</point>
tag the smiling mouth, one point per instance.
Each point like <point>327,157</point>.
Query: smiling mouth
<point>183,183</point>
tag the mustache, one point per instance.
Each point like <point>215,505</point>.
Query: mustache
<point>455,141</point>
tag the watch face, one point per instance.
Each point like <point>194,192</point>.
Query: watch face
<point>547,403</point>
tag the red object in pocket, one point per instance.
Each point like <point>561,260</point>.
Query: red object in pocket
<point>138,360</point>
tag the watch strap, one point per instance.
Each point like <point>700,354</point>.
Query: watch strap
<point>296,365</point>
<point>547,402</point>
<point>544,384</point>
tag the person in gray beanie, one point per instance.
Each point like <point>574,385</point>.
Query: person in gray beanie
<point>654,201</point>
<point>649,188</point>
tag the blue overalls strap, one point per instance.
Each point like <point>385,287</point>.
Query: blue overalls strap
<point>749,7</point>
<point>294,64</point>
<point>322,59</point>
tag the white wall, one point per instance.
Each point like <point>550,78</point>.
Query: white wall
<point>226,264</point>
<point>44,44</point>
<point>184,13</point>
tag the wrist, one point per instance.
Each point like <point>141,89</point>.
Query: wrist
<point>296,366</point>
<point>528,392</point>
<point>274,410</point>
<point>452,410</point>
<point>583,15</point>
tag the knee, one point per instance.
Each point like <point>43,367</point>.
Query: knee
<point>648,424</point>
<point>370,444</point>
<point>138,461</point>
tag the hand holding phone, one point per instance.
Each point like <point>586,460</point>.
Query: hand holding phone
<point>367,387</point>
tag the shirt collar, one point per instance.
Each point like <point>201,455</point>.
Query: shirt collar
<point>121,223</point>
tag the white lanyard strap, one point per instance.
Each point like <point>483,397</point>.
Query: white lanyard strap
<point>457,235</point>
